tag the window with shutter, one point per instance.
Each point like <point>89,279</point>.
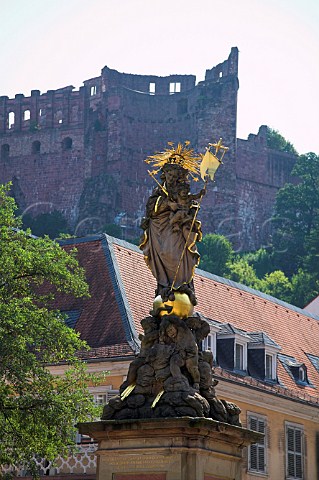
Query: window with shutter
<point>103,398</point>
<point>294,452</point>
<point>100,399</point>
<point>257,452</point>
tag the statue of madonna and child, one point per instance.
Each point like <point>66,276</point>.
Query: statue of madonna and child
<point>172,375</point>
<point>171,232</point>
<point>171,227</point>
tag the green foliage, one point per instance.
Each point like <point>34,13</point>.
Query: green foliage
<point>216,252</point>
<point>37,409</point>
<point>289,270</point>
<point>311,260</point>
<point>52,224</point>
<point>305,287</point>
<point>257,270</point>
<point>261,260</point>
<point>113,230</point>
<point>296,216</point>
<point>277,142</point>
<point>276,284</point>
<point>240,271</point>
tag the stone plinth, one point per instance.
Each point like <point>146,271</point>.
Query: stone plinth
<point>168,449</point>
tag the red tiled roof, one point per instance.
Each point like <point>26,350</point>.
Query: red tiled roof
<point>122,291</point>
<point>225,301</point>
<point>101,319</point>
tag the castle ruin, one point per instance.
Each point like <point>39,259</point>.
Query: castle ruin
<point>81,152</point>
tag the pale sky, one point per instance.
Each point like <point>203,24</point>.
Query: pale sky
<point>49,44</point>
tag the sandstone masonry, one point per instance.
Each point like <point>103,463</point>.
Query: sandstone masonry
<point>81,152</point>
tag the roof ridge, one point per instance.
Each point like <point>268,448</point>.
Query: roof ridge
<point>120,294</point>
<point>76,240</point>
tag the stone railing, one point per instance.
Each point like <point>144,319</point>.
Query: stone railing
<point>81,462</point>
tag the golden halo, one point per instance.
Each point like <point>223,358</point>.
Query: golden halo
<point>180,155</point>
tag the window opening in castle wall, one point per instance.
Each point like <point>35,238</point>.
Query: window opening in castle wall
<point>26,115</point>
<point>36,147</point>
<point>11,119</point>
<point>152,88</point>
<point>67,143</point>
<point>174,87</point>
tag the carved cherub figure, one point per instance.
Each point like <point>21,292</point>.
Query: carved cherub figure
<point>182,208</point>
<point>173,330</point>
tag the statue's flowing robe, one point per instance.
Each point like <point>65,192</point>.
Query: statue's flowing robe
<point>163,248</point>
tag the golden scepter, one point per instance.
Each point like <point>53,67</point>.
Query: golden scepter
<point>154,178</point>
<point>208,168</point>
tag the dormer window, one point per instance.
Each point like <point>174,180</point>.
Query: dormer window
<point>297,370</point>
<point>262,357</point>
<point>232,348</point>
<point>240,362</point>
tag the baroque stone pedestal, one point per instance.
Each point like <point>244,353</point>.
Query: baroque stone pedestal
<point>168,449</point>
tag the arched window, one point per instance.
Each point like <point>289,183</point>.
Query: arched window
<point>36,146</point>
<point>26,115</point>
<point>66,143</point>
<point>5,152</point>
<point>11,119</point>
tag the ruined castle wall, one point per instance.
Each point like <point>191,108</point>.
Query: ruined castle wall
<point>260,173</point>
<point>82,152</point>
<point>217,118</point>
<point>45,138</point>
<point>133,116</point>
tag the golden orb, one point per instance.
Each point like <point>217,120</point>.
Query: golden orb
<point>181,306</point>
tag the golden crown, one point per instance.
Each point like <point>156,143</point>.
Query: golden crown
<point>181,155</point>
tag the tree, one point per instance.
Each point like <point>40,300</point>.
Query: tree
<point>296,215</point>
<point>51,224</point>
<point>276,141</point>
<point>240,271</point>
<point>216,252</point>
<point>113,230</point>
<point>305,287</point>
<point>37,409</point>
<point>276,284</point>
<point>261,260</point>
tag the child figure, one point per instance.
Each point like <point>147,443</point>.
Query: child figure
<point>181,208</point>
